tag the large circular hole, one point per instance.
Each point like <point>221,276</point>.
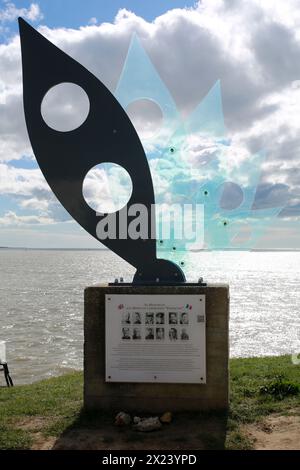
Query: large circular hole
<point>146,116</point>
<point>107,188</point>
<point>65,107</point>
<point>231,196</point>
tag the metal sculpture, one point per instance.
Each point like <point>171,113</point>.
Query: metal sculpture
<point>190,160</point>
<point>106,135</point>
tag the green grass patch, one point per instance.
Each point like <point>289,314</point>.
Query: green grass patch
<point>279,388</point>
<point>252,381</point>
<point>11,438</point>
<point>258,387</point>
<point>58,399</point>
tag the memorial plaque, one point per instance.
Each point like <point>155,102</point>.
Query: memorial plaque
<point>155,338</point>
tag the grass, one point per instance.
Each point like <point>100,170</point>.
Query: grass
<point>258,387</point>
<point>249,377</point>
<point>255,386</point>
<point>58,401</point>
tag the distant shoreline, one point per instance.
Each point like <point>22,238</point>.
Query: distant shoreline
<point>257,250</point>
<point>20,248</point>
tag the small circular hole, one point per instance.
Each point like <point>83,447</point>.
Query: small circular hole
<point>174,248</point>
<point>172,150</point>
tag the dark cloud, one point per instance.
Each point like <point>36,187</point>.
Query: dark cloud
<point>271,195</point>
<point>277,52</point>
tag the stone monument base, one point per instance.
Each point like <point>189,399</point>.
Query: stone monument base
<point>157,397</point>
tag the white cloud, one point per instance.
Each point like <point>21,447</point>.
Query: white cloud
<point>93,21</point>
<point>11,218</point>
<point>29,189</point>
<point>10,12</point>
<point>253,47</point>
<point>36,204</point>
<point>22,182</point>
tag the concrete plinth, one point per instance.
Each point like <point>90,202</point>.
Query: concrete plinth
<point>157,397</point>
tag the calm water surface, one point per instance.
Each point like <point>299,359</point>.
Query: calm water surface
<point>41,303</point>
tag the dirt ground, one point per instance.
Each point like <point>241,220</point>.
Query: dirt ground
<point>182,433</point>
<point>276,432</point>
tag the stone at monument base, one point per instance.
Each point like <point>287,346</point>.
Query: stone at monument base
<point>157,397</point>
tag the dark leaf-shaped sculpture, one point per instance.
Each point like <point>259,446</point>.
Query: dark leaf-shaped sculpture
<point>107,135</point>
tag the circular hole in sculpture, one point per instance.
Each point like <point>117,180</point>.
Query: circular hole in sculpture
<point>146,116</point>
<point>107,188</point>
<point>65,107</point>
<point>231,196</point>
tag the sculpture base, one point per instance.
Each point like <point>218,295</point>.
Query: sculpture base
<point>157,397</point>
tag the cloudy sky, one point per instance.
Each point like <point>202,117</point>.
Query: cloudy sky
<point>252,47</point>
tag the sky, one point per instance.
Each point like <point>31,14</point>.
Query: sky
<point>251,47</point>
<point>76,13</point>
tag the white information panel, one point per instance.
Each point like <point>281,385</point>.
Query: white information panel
<point>155,338</point>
